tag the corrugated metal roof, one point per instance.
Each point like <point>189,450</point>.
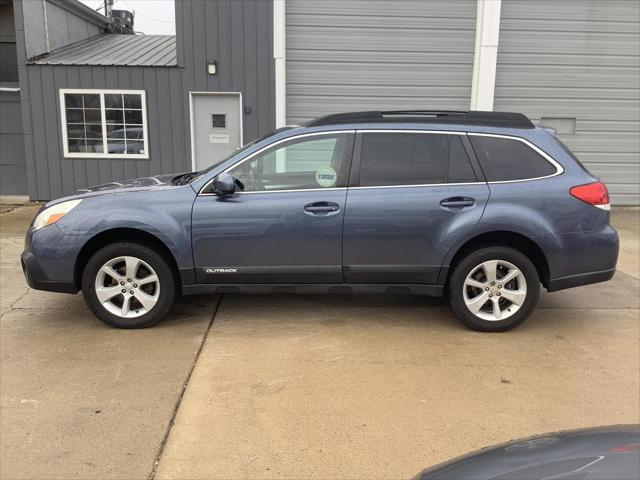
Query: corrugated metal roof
<point>112,49</point>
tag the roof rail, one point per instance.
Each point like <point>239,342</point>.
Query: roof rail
<point>491,119</point>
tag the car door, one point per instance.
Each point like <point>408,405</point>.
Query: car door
<point>413,194</point>
<point>286,225</point>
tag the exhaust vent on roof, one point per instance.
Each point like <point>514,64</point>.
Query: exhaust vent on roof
<point>123,20</point>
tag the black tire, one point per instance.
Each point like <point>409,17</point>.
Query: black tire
<point>166,284</point>
<point>456,289</point>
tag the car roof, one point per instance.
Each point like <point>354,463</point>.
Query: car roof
<point>427,118</point>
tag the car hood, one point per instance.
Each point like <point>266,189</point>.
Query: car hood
<point>156,182</point>
<point>146,182</point>
<point>586,454</point>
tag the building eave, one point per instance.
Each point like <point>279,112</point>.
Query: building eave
<point>83,11</point>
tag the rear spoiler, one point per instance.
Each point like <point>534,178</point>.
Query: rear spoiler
<point>550,130</point>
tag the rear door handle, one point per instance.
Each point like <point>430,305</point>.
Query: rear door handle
<point>319,208</point>
<point>457,202</point>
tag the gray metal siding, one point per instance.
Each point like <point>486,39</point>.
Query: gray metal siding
<point>66,28</point>
<point>238,34</point>
<point>50,26</point>
<point>13,176</point>
<point>561,60</point>
<point>56,176</point>
<point>371,54</point>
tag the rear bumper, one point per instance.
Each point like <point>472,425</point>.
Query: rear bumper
<point>580,279</point>
<point>581,258</point>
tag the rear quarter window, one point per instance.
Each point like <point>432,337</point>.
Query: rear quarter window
<point>504,159</point>
<point>573,157</point>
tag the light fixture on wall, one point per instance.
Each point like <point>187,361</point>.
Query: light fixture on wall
<point>212,67</point>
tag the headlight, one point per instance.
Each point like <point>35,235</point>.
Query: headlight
<point>51,215</point>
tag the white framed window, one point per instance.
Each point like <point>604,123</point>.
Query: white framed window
<point>100,123</point>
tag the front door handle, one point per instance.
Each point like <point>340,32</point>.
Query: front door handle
<point>457,203</point>
<point>321,208</point>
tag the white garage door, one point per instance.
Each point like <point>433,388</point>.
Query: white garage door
<point>573,64</point>
<point>368,55</point>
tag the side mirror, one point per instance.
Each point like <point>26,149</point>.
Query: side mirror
<point>224,184</point>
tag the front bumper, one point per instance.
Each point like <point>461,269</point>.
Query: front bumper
<point>49,258</point>
<point>37,278</point>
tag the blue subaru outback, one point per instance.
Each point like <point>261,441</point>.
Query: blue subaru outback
<point>482,207</point>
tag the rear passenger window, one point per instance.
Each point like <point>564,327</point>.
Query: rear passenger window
<point>460,170</point>
<point>413,159</point>
<point>504,159</point>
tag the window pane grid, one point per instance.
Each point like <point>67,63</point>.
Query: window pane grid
<point>105,123</point>
<point>124,124</point>
<point>85,126</point>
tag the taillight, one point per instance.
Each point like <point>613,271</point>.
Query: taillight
<point>595,194</point>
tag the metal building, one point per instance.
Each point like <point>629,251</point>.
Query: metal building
<point>361,55</point>
<point>575,66</point>
<point>83,105</point>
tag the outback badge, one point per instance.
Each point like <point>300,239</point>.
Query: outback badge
<point>221,270</point>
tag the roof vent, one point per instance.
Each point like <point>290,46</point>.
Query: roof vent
<point>122,20</point>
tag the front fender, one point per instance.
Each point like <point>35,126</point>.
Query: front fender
<point>163,213</point>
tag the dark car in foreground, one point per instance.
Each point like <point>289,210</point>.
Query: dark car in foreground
<point>483,207</point>
<point>603,453</point>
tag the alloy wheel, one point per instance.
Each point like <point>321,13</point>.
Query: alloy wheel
<point>127,287</point>
<point>494,290</point>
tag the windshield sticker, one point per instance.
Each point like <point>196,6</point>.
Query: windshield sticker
<point>326,177</point>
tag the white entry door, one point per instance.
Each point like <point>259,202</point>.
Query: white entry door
<point>216,127</point>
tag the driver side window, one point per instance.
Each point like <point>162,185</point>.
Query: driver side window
<point>311,162</point>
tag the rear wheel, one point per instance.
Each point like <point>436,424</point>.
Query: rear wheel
<point>127,285</point>
<point>494,289</point>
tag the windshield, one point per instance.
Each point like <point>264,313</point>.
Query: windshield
<point>195,175</point>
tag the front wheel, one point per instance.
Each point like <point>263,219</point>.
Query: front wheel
<point>494,289</point>
<point>127,285</point>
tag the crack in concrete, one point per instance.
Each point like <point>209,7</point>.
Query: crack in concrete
<point>12,307</point>
<point>163,443</point>
<point>10,209</point>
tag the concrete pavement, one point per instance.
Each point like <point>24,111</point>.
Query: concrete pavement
<point>335,388</point>
<point>361,387</point>
<point>302,386</point>
<point>79,399</point>
<point>627,222</point>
